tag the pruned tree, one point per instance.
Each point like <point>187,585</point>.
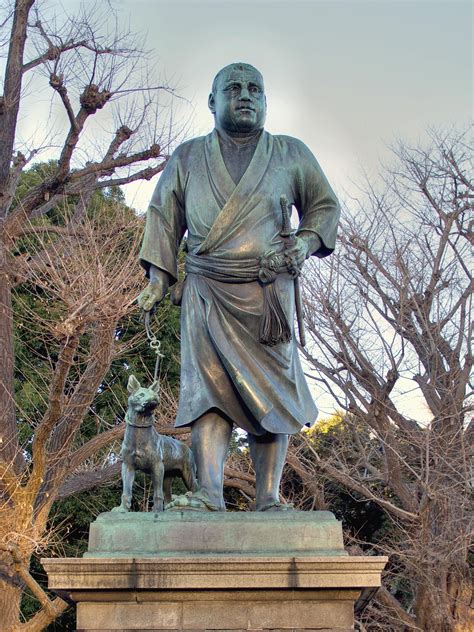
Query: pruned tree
<point>89,283</point>
<point>389,315</point>
<point>81,266</point>
<point>96,78</point>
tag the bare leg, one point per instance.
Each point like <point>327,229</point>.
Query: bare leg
<point>210,436</point>
<point>188,473</point>
<point>268,454</point>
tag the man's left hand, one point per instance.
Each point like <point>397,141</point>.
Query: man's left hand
<point>302,247</point>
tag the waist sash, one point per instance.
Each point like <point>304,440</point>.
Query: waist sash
<point>274,327</point>
<point>225,270</point>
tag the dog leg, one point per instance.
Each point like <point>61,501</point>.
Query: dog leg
<point>167,488</point>
<point>128,476</point>
<point>158,475</point>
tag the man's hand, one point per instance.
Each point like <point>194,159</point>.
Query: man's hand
<point>303,246</point>
<point>155,291</point>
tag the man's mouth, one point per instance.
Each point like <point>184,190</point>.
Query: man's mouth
<point>245,109</point>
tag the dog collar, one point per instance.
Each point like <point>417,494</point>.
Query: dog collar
<point>129,423</point>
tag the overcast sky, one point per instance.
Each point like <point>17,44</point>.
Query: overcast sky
<point>348,77</point>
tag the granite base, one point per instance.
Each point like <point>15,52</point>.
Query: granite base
<point>221,572</point>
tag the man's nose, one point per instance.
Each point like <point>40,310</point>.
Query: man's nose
<point>245,94</point>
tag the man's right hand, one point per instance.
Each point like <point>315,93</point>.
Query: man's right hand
<point>155,291</point>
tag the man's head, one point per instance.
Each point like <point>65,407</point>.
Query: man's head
<point>238,99</point>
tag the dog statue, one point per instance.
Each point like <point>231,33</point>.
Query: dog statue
<point>144,449</point>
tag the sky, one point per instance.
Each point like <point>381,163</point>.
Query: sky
<point>348,77</point>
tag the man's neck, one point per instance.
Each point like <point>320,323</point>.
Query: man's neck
<point>238,138</point>
<point>237,151</point>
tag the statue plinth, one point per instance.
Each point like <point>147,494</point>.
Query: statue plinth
<point>215,571</point>
<point>175,533</point>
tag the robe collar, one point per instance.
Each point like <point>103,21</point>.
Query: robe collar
<point>235,201</point>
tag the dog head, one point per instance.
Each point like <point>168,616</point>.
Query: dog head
<point>142,401</point>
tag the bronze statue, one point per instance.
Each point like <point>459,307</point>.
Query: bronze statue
<point>239,357</point>
<point>144,449</point>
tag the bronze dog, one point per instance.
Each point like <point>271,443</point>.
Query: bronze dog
<point>144,449</point>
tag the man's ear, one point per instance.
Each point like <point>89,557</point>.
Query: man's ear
<point>211,103</point>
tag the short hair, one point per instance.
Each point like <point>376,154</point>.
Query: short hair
<point>237,66</point>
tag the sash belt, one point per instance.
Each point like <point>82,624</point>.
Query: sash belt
<point>274,327</point>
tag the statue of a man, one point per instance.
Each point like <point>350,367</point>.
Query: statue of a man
<point>238,366</point>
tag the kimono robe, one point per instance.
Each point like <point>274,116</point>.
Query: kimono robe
<point>224,366</point>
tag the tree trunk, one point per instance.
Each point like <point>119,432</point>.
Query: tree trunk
<point>8,438</point>
<point>10,596</point>
<point>432,608</point>
<point>443,587</point>
<point>10,102</point>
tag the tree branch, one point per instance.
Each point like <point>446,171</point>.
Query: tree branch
<point>110,165</point>
<point>51,609</point>
<point>144,174</point>
<point>52,415</point>
<point>57,83</point>
<point>388,601</point>
<point>349,482</point>
<point>89,479</point>
<point>93,446</point>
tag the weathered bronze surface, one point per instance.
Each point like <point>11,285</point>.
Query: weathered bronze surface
<point>286,533</point>
<point>239,359</point>
<point>144,449</point>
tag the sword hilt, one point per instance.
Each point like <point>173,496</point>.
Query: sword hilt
<point>286,231</point>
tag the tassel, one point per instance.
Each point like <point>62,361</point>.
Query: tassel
<point>274,327</point>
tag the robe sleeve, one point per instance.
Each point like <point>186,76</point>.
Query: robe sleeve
<point>315,201</point>
<point>165,220</point>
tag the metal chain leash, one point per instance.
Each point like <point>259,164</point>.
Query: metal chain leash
<point>154,343</point>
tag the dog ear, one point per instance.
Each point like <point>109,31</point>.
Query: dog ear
<point>156,387</point>
<point>133,384</point>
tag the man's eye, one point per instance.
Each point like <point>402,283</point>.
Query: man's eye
<point>254,89</point>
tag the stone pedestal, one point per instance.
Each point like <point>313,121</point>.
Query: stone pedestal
<point>201,572</point>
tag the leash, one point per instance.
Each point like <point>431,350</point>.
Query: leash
<point>155,345</point>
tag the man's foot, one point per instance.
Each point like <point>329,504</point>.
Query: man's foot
<point>193,501</point>
<point>277,506</point>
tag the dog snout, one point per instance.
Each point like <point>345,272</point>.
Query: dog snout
<point>151,405</point>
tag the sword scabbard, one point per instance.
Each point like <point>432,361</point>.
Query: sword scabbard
<point>288,237</point>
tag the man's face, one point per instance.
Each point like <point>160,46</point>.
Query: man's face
<point>238,101</point>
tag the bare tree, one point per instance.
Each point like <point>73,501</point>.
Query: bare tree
<point>85,287</point>
<point>113,134</point>
<point>82,290</point>
<point>97,80</point>
<point>388,315</point>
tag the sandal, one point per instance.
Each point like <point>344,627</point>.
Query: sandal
<point>278,506</point>
<point>192,501</point>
